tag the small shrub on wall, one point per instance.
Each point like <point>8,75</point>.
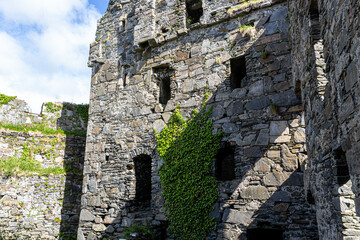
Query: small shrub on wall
<point>188,149</point>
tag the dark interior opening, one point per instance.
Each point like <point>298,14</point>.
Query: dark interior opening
<point>315,20</point>
<point>225,164</point>
<point>341,167</point>
<point>298,89</point>
<point>124,80</point>
<point>144,45</point>
<point>165,90</point>
<point>238,72</point>
<point>142,165</point>
<point>310,198</point>
<point>194,10</point>
<point>163,76</point>
<point>264,233</point>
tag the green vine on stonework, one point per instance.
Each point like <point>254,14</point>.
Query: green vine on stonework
<point>188,149</point>
<point>52,107</point>
<point>83,111</point>
<point>5,99</point>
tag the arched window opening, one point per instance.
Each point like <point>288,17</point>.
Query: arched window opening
<point>194,11</point>
<point>225,164</point>
<point>142,165</point>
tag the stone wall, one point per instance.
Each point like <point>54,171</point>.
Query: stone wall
<point>326,52</point>
<point>35,205</point>
<point>140,76</point>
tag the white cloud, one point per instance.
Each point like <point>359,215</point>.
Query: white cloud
<point>44,48</point>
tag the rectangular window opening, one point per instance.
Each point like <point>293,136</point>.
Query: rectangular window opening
<point>264,233</point>
<point>194,10</point>
<point>163,77</point>
<point>225,164</point>
<point>341,167</point>
<point>238,72</point>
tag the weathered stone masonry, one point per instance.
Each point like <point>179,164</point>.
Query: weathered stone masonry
<point>33,205</point>
<point>331,113</point>
<point>147,58</point>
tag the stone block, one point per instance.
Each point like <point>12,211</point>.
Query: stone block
<point>86,215</point>
<point>299,135</point>
<point>276,178</point>
<point>263,138</point>
<point>278,128</point>
<point>258,103</point>
<point>263,165</point>
<point>273,154</point>
<point>289,160</point>
<point>94,201</point>
<point>230,127</point>
<point>351,76</point>
<point>253,152</point>
<point>284,99</point>
<point>255,192</point>
<point>98,227</point>
<point>235,108</point>
<point>237,217</point>
<point>280,139</point>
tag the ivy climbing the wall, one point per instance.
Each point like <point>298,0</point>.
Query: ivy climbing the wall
<point>188,149</point>
<point>5,99</point>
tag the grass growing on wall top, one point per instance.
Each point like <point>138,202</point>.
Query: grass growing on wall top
<point>39,127</point>
<point>188,149</point>
<point>26,163</point>
<point>6,99</point>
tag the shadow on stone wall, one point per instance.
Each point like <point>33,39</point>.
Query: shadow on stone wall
<point>260,119</point>
<point>73,164</point>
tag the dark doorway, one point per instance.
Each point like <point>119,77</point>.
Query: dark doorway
<point>263,233</point>
<point>224,164</point>
<point>238,72</point>
<point>142,165</point>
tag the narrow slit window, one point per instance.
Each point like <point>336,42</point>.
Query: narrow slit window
<point>142,165</point>
<point>194,11</point>
<point>264,233</point>
<point>238,72</point>
<point>319,69</point>
<point>341,167</point>
<point>165,90</point>
<point>225,164</point>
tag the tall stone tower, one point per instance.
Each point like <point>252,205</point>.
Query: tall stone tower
<point>151,55</point>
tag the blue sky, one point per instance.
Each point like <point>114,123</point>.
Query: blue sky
<point>44,47</point>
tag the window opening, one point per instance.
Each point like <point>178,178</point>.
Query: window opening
<point>341,167</point>
<point>310,198</point>
<point>194,10</point>
<point>142,165</point>
<point>163,77</point>
<point>264,233</point>
<point>225,164</point>
<point>319,69</point>
<point>238,72</point>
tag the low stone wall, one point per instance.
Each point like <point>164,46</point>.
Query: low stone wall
<point>39,206</point>
<point>34,205</point>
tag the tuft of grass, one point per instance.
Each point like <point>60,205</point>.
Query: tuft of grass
<point>6,99</point>
<point>40,127</point>
<point>137,229</point>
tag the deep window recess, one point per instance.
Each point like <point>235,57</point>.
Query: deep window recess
<point>341,167</point>
<point>238,72</point>
<point>319,69</point>
<point>194,10</point>
<point>310,198</point>
<point>225,164</point>
<point>264,233</point>
<point>142,165</point>
<point>163,78</point>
